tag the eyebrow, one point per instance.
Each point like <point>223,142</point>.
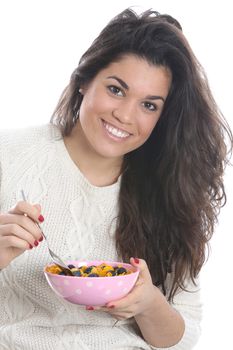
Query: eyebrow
<point>125,86</point>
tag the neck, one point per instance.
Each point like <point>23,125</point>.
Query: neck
<point>100,171</point>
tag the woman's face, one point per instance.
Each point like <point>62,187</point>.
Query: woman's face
<point>122,105</point>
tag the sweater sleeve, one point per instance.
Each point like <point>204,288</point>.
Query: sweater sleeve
<point>188,304</point>
<point>0,175</point>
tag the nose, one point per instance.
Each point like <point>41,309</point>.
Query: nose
<point>125,113</point>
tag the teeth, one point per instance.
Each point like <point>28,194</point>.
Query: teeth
<point>115,131</point>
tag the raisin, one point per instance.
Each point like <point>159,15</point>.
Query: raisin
<point>77,273</point>
<point>71,266</point>
<point>89,269</point>
<point>120,271</point>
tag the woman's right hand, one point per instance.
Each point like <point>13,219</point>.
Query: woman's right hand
<point>18,231</point>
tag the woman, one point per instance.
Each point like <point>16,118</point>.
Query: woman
<point>130,168</point>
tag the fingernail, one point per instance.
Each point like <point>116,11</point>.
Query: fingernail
<point>41,218</point>
<point>41,239</point>
<point>111,306</point>
<point>30,246</point>
<point>136,260</point>
<point>89,308</point>
<point>36,243</point>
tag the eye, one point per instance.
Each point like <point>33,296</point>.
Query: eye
<point>150,106</point>
<point>115,90</point>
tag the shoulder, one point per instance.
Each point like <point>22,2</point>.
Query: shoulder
<point>29,134</point>
<point>14,140</point>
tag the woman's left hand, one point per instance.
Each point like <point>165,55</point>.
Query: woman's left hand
<point>138,301</point>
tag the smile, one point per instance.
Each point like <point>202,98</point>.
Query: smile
<point>115,131</point>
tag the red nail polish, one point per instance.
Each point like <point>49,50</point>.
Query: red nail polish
<point>89,308</point>
<point>36,243</point>
<point>41,218</point>
<point>136,260</point>
<point>41,239</point>
<point>30,246</point>
<point>111,306</point>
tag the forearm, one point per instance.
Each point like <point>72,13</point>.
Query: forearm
<point>161,325</point>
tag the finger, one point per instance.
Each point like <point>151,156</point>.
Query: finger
<point>38,206</point>
<point>21,221</point>
<point>33,211</point>
<point>118,314</point>
<point>134,296</point>
<point>121,314</point>
<point>14,242</point>
<point>18,231</point>
<point>139,281</point>
<point>142,265</point>
<point>132,299</point>
<point>122,304</point>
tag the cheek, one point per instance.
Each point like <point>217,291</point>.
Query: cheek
<point>147,127</point>
<point>94,104</point>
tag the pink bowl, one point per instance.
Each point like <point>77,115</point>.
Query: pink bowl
<point>92,290</point>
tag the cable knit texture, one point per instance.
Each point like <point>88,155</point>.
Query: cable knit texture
<point>80,223</point>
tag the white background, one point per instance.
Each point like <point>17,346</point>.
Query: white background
<point>41,43</point>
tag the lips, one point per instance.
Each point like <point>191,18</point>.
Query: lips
<point>116,132</point>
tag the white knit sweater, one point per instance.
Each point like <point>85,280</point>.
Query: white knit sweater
<point>79,223</point>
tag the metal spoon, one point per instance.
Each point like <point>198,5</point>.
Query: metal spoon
<point>58,261</point>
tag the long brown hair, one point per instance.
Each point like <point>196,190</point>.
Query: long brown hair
<point>172,186</point>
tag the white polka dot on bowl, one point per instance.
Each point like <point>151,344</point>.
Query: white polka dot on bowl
<point>119,283</point>
<point>89,284</point>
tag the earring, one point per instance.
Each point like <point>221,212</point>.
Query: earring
<point>80,91</point>
<point>75,117</point>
